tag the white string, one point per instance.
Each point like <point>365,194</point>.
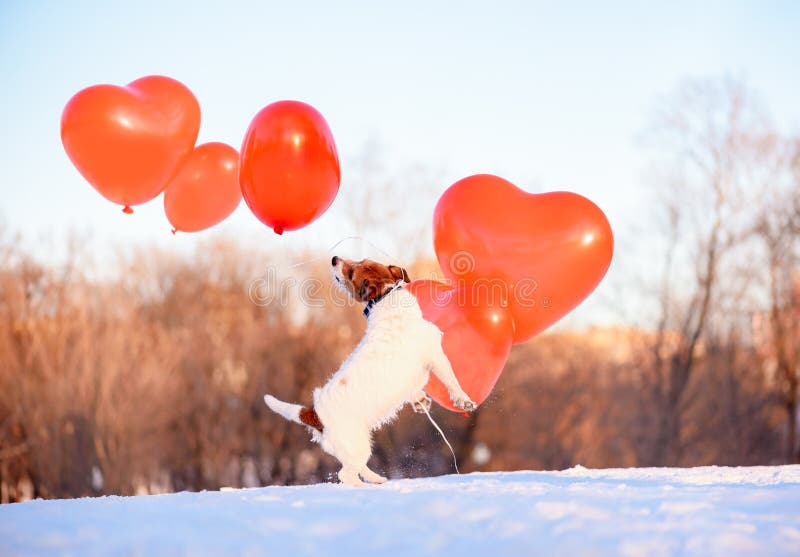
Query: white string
<point>455,462</point>
<point>334,246</point>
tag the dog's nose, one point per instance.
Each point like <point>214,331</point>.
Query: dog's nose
<point>334,261</point>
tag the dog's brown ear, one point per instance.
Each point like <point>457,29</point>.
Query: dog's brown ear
<point>364,290</point>
<point>398,273</point>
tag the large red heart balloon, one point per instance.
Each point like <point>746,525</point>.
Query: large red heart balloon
<point>547,252</point>
<point>206,188</point>
<point>129,141</point>
<point>289,167</point>
<point>477,336</point>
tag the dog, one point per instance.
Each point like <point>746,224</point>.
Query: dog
<point>388,369</point>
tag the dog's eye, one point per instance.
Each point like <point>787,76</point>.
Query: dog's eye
<point>350,274</point>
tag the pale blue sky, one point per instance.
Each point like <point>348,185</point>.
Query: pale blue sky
<point>548,95</point>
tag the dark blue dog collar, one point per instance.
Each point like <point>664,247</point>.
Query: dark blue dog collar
<point>371,304</point>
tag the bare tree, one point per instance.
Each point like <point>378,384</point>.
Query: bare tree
<point>391,207</point>
<point>777,227</point>
<point>701,132</point>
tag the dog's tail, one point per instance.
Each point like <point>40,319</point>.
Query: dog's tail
<point>305,415</point>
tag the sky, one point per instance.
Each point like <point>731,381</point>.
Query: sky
<point>550,96</point>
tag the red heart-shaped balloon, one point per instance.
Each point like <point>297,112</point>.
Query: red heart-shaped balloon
<point>206,188</point>
<point>289,167</point>
<point>129,141</point>
<point>544,253</point>
<point>477,336</point>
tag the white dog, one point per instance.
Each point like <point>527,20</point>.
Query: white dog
<point>388,369</point>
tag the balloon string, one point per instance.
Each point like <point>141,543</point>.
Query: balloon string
<point>452,452</point>
<point>334,246</point>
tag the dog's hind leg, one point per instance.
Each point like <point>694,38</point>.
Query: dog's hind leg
<point>350,443</point>
<point>349,475</point>
<point>371,477</point>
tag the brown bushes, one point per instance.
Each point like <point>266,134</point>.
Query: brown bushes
<point>153,381</point>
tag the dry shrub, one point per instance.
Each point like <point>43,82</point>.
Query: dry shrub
<point>153,380</point>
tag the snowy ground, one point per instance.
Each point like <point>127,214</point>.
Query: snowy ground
<point>699,511</point>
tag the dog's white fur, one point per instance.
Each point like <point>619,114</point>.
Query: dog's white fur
<point>388,368</point>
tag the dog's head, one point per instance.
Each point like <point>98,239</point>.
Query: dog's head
<point>366,279</point>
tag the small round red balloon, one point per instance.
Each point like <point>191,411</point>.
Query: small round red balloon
<point>289,167</point>
<point>129,141</point>
<point>477,335</point>
<point>205,190</point>
<point>550,250</point>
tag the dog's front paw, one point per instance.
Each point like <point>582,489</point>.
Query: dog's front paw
<point>422,405</point>
<point>464,403</point>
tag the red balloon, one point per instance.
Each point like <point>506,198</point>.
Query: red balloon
<point>205,190</point>
<point>289,165</point>
<point>129,141</point>
<point>547,251</point>
<point>477,336</point>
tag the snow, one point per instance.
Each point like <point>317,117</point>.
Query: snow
<point>634,512</point>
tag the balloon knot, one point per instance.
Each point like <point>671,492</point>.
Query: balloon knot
<point>127,210</point>
<point>465,414</point>
<point>174,230</point>
<point>278,229</point>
